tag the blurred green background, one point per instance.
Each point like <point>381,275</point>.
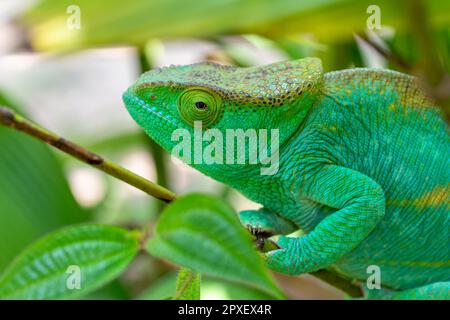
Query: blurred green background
<point>65,64</point>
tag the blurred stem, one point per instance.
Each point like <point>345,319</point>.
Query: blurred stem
<point>342,284</point>
<point>432,72</point>
<point>156,151</point>
<point>226,192</point>
<point>393,58</point>
<point>160,162</point>
<point>11,119</point>
<point>430,65</point>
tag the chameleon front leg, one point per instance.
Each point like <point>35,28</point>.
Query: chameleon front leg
<point>265,222</point>
<point>361,205</point>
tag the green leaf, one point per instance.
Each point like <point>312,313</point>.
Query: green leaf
<point>203,233</point>
<point>188,285</point>
<point>109,22</point>
<point>34,195</point>
<point>69,262</point>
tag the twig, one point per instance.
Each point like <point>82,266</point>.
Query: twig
<point>11,119</point>
<point>388,55</point>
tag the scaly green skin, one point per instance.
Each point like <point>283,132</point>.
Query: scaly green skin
<point>364,165</point>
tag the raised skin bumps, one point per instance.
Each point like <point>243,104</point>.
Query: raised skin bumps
<point>364,165</point>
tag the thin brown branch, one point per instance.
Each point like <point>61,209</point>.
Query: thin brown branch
<point>388,55</point>
<point>11,119</point>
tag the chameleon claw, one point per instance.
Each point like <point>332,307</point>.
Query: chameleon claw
<point>251,229</point>
<point>260,243</point>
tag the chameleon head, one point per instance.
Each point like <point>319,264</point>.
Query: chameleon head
<point>275,96</point>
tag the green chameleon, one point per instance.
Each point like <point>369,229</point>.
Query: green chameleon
<point>364,164</point>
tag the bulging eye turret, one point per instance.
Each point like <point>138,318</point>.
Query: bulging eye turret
<point>199,104</point>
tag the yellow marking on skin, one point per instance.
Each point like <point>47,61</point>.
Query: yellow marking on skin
<point>435,198</point>
<point>439,196</point>
<point>332,128</point>
<point>392,106</point>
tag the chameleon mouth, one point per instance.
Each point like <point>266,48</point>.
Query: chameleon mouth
<point>133,101</point>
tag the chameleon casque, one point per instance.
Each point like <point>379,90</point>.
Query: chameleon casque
<point>364,164</point>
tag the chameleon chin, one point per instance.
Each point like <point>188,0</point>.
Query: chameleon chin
<point>364,164</point>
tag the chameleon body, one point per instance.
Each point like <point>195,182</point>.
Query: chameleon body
<point>364,164</point>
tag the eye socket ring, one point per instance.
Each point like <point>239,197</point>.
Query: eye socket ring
<point>199,104</point>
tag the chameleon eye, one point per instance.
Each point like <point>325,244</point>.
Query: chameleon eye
<point>199,104</point>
